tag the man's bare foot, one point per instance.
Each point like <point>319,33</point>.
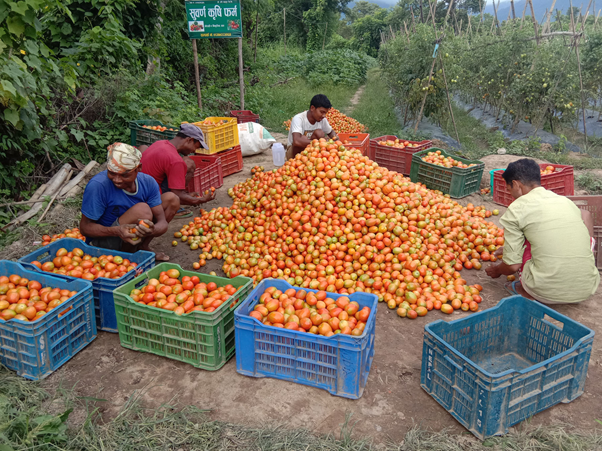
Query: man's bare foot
<point>161,257</point>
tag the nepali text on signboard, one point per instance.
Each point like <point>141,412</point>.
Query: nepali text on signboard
<point>214,19</point>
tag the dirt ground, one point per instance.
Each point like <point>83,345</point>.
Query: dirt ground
<point>392,401</point>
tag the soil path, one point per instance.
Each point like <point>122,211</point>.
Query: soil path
<point>355,100</point>
<point>392,402</point>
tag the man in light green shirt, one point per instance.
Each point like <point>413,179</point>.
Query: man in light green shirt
<point>548,239</point>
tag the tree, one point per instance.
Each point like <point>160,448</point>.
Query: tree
<point>362,9</point>
<point>366,32</point>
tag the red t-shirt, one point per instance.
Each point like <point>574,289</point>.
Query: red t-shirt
<point>162,160</point>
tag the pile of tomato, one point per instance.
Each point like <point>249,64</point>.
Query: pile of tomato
<point>399,143</point>
<point>83,266</point>
<point>308,312</point>
<point>335,221</point>
<point>182,295</point>
<point>28,300</point>
<point>68,233</point>
<point>448,162</point>
<point>339,122</point>
<point>256,169</point>
<point>159,128</point>
<point>548,170</point>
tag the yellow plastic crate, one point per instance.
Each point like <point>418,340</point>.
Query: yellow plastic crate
<point>220,137</point>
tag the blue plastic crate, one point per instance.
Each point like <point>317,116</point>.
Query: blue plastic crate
<point>103,288</point>
<point>496,368</point>
<point>36,349</point>
<point>339,364</point>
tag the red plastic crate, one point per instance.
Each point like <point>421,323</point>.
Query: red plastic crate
<point>208,173</point>
<point>593,204</point>
<point>231,160</point>
<point>360,141</point>
<point>561,182</point>
<point>243,116</point>
<point>392,158</point>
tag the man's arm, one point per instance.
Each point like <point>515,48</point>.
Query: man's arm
<point>90,228</point>
<point>333,135</point>
<point>187,199</point>
<point>514,241</point>
<point>299,140</point>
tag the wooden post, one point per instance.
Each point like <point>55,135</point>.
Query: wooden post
<point>284,10</point>
<point>406,30</point>
<point>256,27</point>
<point>413,24</point>
<point>241,76</point>
<point>534,20</point>
<point>451,111</point>
<point>576,38</point>
<point>522,21</point>
<point>324,40</point>
<point>497,22</point>
<point>512,8</point>
<point>549,16</point>
<point>197,77</point>
<point>432,13</point>
<point>481,20</point>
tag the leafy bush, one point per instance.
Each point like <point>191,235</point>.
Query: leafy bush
<point>346,67</point>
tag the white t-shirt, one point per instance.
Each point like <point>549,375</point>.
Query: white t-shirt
<point>300,124</point>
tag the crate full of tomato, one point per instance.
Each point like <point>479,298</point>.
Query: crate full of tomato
<point>438,170</point>
<point>315,338</point>
<point>44,320</point>
<point>558,178</point>
<point>181,315</point>
<point>394,153</point>
<point>70,259</point>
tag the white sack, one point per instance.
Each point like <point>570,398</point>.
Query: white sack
<point>254,138</point>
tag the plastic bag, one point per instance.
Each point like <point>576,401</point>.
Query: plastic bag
<point>254,139</point>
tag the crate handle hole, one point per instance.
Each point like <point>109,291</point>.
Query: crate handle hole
<point>557,323</point>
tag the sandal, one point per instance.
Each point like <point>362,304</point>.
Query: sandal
<point>183,213</point>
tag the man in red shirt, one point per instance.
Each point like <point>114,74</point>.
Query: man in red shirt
<point>167,162</point>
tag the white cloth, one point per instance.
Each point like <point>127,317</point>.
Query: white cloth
<point>300,124</point>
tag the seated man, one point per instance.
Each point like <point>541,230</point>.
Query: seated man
<point>547,240</point>
<point>167,162</point>
<point>116,200</point>
<point>309,125</point>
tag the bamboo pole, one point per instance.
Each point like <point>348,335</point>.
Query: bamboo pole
<point>241,77</point>
<point>406,30</point>
<point>421,15</point>
<point>78,178</point>
<point>580,77</point>
<point>284,25</point>
<point>256,27</point>
<point>497,22</point>
<point>522,20</point>
<point>413,24</point>
<point>430,73</point>
<point>197,77</point>
<point>512,9</point>
<point>534,20</point>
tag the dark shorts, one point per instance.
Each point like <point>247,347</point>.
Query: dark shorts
<point>164,186</point>
<point>107,242</point>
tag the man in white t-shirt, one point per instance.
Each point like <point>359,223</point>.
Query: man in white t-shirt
<point>309,125</point>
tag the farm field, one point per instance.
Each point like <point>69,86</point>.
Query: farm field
<point>516,89</point>
<point>392,403</point>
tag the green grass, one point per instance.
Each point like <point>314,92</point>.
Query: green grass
<point>282,102</point>
<point>32,418</point>
<point>376,109</point>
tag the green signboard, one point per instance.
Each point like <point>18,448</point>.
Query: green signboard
<point>214,19</point>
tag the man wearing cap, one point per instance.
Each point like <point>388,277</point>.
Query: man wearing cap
<point>167,162</point>
<point>117,200</point>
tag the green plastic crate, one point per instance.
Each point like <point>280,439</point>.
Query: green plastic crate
<point>204,340</point>
<point>143,136</point>
<point>457,182</point>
